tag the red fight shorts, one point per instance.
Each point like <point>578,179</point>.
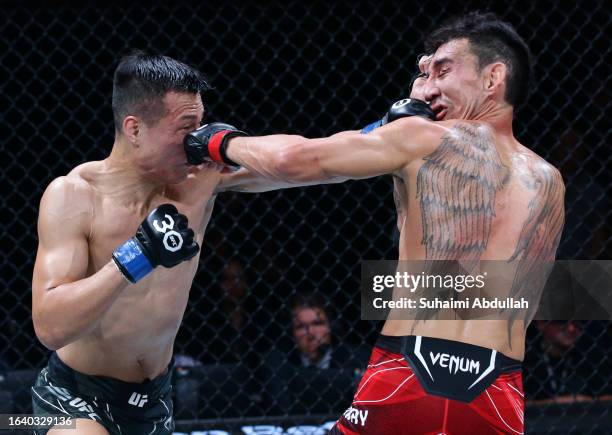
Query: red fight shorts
<point>421,385</point>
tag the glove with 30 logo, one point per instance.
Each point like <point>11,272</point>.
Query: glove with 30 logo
<point>163,239</point>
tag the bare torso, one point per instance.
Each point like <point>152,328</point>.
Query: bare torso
<point>135,337</point>
<point>514,179</point>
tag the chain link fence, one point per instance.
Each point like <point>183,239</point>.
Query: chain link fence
<point>313,69</point>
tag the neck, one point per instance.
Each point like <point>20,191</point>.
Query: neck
<point>499,116</point>
<point>123,177</point>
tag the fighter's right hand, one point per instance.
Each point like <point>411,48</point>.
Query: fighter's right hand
<point>401,109</point>
<point>208,143</point>
<point>163,239</point>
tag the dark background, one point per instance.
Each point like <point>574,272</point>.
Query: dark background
<point>312,68</point>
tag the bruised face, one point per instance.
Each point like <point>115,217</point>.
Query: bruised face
<point>161,152</point>
<point>453,84</point>
<point>311,330</point>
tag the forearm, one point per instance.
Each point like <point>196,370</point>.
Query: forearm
<point>283,158</point>
<point>266,161</point>
<point>72,310</point>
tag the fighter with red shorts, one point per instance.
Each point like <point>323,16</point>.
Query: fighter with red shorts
<point>422,385</point>
<point>466,191</point>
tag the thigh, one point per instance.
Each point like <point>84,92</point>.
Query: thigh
<point>156,419</point>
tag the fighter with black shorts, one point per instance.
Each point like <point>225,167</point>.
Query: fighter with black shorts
<point>118,250</point>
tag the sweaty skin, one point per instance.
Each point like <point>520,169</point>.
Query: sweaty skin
<point>464,187</point>
<point>82,306</point>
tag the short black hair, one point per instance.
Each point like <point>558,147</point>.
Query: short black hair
<point>308,300</point>
<point>142,80</point>
<point>491,40</point>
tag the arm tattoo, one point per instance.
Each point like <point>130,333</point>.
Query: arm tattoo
<point>540,235</point>
<point>400,198</point>
<point>535,251</point>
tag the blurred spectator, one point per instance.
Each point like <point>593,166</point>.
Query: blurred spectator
<point>315,373</point>
<point>234,288</point>
<point>555,367</point>
<point>220,327</point>
<point>586,236</point>
<point>229,321</point>
<point>313,344</point>
<point>312,334</point>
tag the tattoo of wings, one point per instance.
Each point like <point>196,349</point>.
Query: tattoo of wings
<point>539,238</point>
<point>456,187</point>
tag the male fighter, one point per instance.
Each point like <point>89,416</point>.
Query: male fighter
<point>118,249</point>
<point>466,190</point>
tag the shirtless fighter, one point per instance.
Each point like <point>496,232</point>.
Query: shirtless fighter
<point>465,189</point>
<point>118,249</point>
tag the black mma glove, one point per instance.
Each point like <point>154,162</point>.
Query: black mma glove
<point>401,109</point>
<point>209,142</point>
<point>163,239</point>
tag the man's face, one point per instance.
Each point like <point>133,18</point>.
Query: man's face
<point>162,154</point>
<point>310,329</point>
<point>453,85</point>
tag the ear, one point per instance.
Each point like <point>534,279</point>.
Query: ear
<point>131,129</point>
<point>495,78</point>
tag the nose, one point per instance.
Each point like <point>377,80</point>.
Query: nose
<point>430,90</point>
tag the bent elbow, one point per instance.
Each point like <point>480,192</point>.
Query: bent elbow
<point>48,340</point>
<point>50,337</point>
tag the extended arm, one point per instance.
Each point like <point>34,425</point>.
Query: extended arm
<point>297,159</point>
<point>263,156</point>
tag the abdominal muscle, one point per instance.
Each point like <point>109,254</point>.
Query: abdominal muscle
<point>134,339</point>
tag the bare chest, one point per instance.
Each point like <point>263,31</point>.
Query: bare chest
<point>158,301</point>
<point>115,222</point>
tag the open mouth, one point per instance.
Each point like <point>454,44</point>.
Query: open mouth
<point>440,114</point>
<point>440,111</point>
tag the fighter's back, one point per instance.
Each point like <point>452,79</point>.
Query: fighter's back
<point>479,195</point>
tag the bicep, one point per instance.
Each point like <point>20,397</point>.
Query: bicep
<point>63,248</point>
<point>387,150</point>
<point>357,157</point>
<point>60,263</point>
